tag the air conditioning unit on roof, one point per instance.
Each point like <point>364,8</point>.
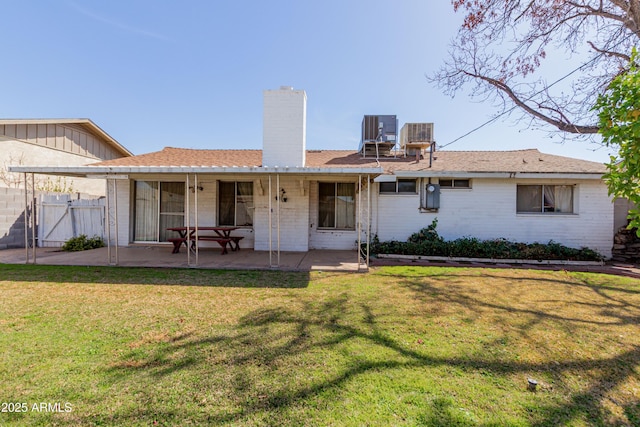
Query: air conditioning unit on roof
<point>379,135</point>
<point>416,135</point>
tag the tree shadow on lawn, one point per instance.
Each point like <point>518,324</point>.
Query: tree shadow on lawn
<point>279,361</point>
<point>609,301</point>
<point>154,276</point>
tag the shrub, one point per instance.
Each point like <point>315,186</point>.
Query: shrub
<point>427,242</point>
<point>82,243</point>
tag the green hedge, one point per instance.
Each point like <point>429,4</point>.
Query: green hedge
<point>428,242</point>
<point>82,243</point>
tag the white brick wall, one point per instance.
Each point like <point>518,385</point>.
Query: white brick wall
<point>123,189</point>
<point>294,215</point>
<point>284,128</point>
<point>488,210</point>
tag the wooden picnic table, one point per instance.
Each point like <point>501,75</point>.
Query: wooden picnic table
<point>221,235</point>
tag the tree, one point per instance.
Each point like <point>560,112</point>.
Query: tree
<point>502,44</point>
<point>618,118</point>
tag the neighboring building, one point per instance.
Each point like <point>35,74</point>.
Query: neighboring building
<point>53,143</point>
<point>288,198</point>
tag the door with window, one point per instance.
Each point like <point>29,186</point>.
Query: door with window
<point>158,206</point>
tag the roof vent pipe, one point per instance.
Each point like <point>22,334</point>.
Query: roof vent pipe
<point>432,148</point>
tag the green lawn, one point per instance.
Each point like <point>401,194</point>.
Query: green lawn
<point>399,346</point>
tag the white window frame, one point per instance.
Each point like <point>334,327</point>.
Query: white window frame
<point>543,210</point>
<point>335,208</point>
<point>235,203</point>
<point>453,184</point>
<point>159,232</point>
<point>397,187</point>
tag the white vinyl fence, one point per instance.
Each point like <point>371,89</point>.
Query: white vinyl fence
<point>61,218</point>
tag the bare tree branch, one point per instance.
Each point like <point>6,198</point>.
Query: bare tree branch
<point>563,125</point>
<point>600,32</point>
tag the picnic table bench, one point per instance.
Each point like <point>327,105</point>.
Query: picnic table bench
<point>222,237</point>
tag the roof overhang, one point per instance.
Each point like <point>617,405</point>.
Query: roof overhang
<point>102,172</point>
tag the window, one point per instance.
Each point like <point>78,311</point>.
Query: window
<point>235,203</point>
<point>158,205</point>
<point>336,205</point>
<point>455,183</point>
<point>401,186</point>
<point>544,199</point>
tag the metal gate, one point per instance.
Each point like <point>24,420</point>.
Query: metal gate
<point>61,218</point>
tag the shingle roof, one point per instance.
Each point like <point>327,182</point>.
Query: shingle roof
<point>527,161</point>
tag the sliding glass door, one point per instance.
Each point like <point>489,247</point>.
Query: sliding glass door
<point>158,205</point>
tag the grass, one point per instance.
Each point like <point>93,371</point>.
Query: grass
<point>401,346</point>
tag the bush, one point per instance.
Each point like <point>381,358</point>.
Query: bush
<point>82,243</point>
<point>427,242</point>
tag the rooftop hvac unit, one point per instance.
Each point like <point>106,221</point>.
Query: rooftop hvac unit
<point>416,135</point>
<point>379,135</point>
<point>379,128</point>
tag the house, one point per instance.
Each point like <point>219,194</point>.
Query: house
<point>55,142</point>
<point>47,142</point>
<point>287,198</point>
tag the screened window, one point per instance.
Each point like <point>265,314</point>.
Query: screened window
<point>158,205</point>
<point>235,203</point>
<point>336,205</point>
<point>545,199</point>
<point>455,183</point>
<point>401,186</point>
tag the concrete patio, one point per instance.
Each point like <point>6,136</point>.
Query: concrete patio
<point>161,256</point>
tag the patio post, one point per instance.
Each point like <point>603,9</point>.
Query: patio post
<point>33,216</point>
<point>29,217</point>
<point>26,229</point>
<point>368,216</point>
<point>195,203</point>
<point>270,226</point>
<point>112,255</point>
<point>278,214</point>
<point>115,210</point>
<point>107,223</point>
<point>359,251</point>
<point>187,219</point>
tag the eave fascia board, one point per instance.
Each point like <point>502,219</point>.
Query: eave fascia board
<point>511,175</point>
<point>386,178</point>
<point>107,170</point>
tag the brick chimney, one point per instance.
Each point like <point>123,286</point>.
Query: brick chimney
<point>284,131</point>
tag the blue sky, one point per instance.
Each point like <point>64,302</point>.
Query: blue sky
<point>191,74</point>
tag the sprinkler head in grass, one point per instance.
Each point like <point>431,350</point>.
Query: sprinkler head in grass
<point>533,384</point>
